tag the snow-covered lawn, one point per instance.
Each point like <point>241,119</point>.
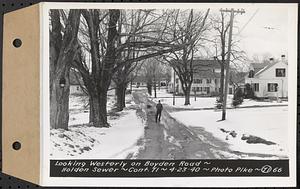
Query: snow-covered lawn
<point>269,124</point>
<point>85,141</point>
<point>206,102</point>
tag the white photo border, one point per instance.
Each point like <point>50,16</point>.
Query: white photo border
<point>46,180</point>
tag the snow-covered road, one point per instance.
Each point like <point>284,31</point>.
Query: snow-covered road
<point>171,139</point>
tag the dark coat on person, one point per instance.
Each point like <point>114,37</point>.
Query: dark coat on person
<point>159,107</point>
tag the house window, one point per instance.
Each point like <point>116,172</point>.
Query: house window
<point>208,81</point>
<point>216,81</point>
<point>176,81</point>
<point>280,72</point>
<point>207,90</point>
<point>272,87</point>
<point>256,87</point>
<point>77,88</point>
<point>197,81</point>
<point>251,74</point>
<point>200,89</point>
<point>230,90</point>
<point>197,89</point>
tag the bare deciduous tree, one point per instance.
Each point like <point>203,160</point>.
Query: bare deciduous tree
<point>152,70</point>
<point>220,26</point>
<point>111,51</point>
<point>187,28</point>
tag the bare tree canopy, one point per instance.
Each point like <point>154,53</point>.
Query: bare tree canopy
<point>185,28</point>
<point>220,24</point>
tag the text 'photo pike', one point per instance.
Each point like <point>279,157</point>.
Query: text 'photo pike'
<point>166,90</point>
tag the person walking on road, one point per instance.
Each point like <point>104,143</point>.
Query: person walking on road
<point>159,108</point>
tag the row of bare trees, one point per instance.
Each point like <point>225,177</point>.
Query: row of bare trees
<point>109,45</point>
<point>198,32</point>
<point>102,45</point>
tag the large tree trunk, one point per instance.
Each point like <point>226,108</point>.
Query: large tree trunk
<point>149,88</point>
<point>120,94</point>
<point>91,116</point>
<point>62,53</point>
<point>98,111</point>
<point>187,97</point>
<point>97,82</point>
<point>59,98</point>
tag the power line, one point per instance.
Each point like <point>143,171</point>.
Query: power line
<point>248,21</point>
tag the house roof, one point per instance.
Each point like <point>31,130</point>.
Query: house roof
<point>261,67</point>
<point>207,63</point>
<point>265,68</point>
<point>207,74</point>
<point>201,64</point>
<point>258,66</point>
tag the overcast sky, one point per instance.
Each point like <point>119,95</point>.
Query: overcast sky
<point>267,31</point>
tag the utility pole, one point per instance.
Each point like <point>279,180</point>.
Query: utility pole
<point>232,11</point>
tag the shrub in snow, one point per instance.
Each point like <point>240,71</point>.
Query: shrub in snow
<point>249,93</point>
<point>214,93</point>
<point>218,103</point>
<point>237,98</point>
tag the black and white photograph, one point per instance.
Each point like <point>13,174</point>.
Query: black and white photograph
<point>186,83</point>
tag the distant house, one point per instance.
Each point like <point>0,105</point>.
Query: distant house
<point>269,79</point>
<point>139,81</point>
<point>206,80</point>
<point>75,83</point>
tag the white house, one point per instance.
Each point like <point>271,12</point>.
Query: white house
<point>269,79</point>
<point>206,82</point>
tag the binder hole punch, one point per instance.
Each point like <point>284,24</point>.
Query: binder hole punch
<point>17,43</point>
<point>16,145</point>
